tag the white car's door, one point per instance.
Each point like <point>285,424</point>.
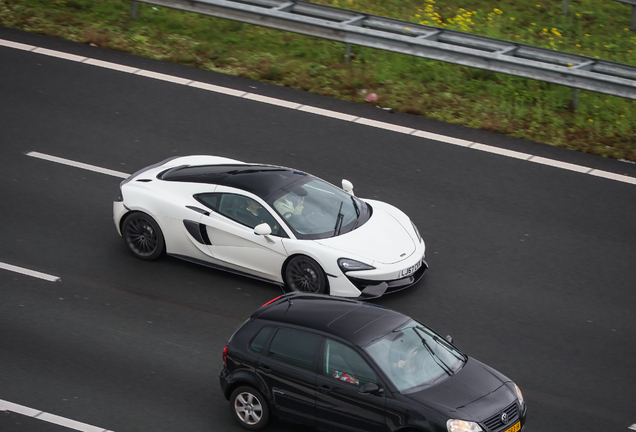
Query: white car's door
<point>234,243</point>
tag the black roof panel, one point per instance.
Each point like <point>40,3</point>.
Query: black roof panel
<point>358,322</point>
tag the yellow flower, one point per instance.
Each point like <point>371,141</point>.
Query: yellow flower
<point>591,121</point>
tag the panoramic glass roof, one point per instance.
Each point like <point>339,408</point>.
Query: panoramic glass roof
<point>260,180</point>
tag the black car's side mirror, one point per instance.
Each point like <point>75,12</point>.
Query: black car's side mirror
<point>449,339</point>
<point>371,388</point>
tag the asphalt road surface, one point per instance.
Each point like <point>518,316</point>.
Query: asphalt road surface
<point>531,266</point>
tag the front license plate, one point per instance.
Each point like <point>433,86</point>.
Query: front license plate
<point>409,271</point>
<point>514,428</point>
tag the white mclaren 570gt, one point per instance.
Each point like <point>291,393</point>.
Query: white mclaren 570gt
<point>271,223</point>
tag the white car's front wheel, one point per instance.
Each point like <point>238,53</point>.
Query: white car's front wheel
<point>305,274</point>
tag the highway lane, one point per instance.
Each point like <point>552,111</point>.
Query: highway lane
<point>530,265</point>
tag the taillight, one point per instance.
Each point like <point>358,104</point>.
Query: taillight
<point>225,355</point>
<point>272,300</point>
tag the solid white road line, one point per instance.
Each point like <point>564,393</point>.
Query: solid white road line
<point>32,273</point>
<point>309,109</point>
<point>78,164</point>
<point>50,418</point>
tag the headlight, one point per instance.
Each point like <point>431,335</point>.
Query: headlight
<point>462,426</point>
<point>419,237</point>
<point>519,395</point>
<point>347,264</point>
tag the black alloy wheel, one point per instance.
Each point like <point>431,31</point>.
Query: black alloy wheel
<point>143,236</point>
<point>304,274</point>
<point>249,408</point>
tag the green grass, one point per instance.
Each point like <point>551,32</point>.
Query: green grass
<point>602,125</point>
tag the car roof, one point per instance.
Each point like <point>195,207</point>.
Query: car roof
<point>261,180</point>
<point>356,321</point>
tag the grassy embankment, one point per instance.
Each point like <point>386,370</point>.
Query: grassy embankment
<point>602,125</point>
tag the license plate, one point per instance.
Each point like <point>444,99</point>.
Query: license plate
<point>409,271</point>
<point>514,428</point>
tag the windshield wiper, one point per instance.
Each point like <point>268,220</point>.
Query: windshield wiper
<point>355,205</point>
<point>339,219</point>
<point>438,360</point>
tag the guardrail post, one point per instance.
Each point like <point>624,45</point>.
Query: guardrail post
<point>133,9</point>
<point>565,7</point>
<point>634,18</point>
<point>347,53</point>
<point>575,99</point>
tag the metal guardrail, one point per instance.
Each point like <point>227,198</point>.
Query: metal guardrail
<point>356,28</point>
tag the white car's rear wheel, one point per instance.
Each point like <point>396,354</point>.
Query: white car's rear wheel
<point>143,236</point>
<point>305,274</point>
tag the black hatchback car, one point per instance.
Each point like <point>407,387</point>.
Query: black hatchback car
<point>344,365</point>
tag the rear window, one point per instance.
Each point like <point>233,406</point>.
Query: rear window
<point>295,347</point>
<point>260,339</point>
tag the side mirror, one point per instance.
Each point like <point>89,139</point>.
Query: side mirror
<point>262,229</point>
<point>371,388</point>
<point>347,186</point>
<point>449,339</point>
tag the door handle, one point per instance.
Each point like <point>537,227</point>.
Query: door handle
<point>324,389</point>
<point>266,369</point>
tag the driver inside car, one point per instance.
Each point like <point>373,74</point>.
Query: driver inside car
<point>286,207</point>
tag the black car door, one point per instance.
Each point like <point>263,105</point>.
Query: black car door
<point>340,404</point>
<point>288,368</point>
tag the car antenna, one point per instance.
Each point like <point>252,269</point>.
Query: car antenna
<point>286,297</point>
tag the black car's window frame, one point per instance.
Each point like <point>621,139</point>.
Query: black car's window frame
<point>323,365</point>
<point>314,364</point>
<point>266,341</point>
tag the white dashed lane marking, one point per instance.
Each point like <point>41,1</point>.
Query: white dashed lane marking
<point>314,110</point>
<point>32,273</point>
<point>50,418</point>
<point>78,164</point>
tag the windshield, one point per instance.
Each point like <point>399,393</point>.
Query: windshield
<point>316,209</point>
<point>414,357</point>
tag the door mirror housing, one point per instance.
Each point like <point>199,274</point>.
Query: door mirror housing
<point>347,186</point>
<point>262,229</point>
<point>371,388</point>
<point>449,339</point>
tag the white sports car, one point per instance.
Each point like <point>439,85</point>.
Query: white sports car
<point>271,223</point>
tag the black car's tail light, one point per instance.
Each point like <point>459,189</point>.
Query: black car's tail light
<point>225,355</point>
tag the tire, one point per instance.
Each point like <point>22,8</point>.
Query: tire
<point>249,408</point>
<point>143,236</point>
<point>305,274</point>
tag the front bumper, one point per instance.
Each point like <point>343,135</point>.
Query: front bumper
<point>372,288</point>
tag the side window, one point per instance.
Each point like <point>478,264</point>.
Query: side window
<point>345,364</point>
<point>210,200</point>
<point>295,347</point>
<point>260,339</point>
<point>241,209</point>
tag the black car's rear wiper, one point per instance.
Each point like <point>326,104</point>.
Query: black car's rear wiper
<point>339,219</point>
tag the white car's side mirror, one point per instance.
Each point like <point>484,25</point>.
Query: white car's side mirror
<point>262,229</point>
<point>347,186</point>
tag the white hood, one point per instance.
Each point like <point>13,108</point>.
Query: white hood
<point>381,240</point>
